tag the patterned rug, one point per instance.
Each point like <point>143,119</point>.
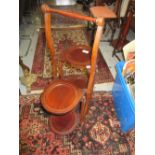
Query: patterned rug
<point>100,134</point>
<point>59,21</point>
<point>63,39</point>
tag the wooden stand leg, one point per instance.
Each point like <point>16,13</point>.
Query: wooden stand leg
<point>82,112</point>
<point>84,108</point>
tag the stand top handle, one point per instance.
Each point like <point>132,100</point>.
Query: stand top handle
<point>46,9</point>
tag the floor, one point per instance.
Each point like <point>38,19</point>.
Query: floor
<point>28,32</point>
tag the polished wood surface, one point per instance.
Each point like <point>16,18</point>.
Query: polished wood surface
<point>78,56</point>
<point>95,50</point>
<point>50,44</point>
<point>64,124</point>
<point>112,16</point>
<point>80,81</point>
<point>62,96</point>
<point>102,11</point>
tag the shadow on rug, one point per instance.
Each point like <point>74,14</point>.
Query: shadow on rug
<point>63,38</point>
<point>99,135</point>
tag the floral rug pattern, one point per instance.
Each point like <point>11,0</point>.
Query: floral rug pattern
<point>62,40</point>
<point>100,133</point>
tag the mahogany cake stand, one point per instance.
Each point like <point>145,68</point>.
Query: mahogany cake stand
<point>60,99</point>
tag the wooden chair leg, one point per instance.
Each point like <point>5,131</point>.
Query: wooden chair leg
<point>84,110</point>
<point>121,41</point>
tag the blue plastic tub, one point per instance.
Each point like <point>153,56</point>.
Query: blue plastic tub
<point>123,101</point>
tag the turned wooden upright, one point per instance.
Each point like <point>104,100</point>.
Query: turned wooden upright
<point>61,97</point>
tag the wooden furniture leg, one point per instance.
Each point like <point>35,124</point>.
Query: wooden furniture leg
<point>121,41</point>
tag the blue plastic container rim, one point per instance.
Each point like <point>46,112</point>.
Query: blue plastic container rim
<point>119,67</point>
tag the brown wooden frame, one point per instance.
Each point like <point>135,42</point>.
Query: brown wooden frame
<point>100,24</point>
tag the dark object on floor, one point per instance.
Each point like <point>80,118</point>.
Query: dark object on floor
<point>108,2</point>
<point>85,3</point>
<point>21,10</point>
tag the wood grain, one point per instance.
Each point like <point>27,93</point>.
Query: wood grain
<point>62,96</point>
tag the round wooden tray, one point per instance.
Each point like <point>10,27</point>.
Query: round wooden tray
<point>64,124</point>
<point>79,55</point>
<point>60,97</point>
